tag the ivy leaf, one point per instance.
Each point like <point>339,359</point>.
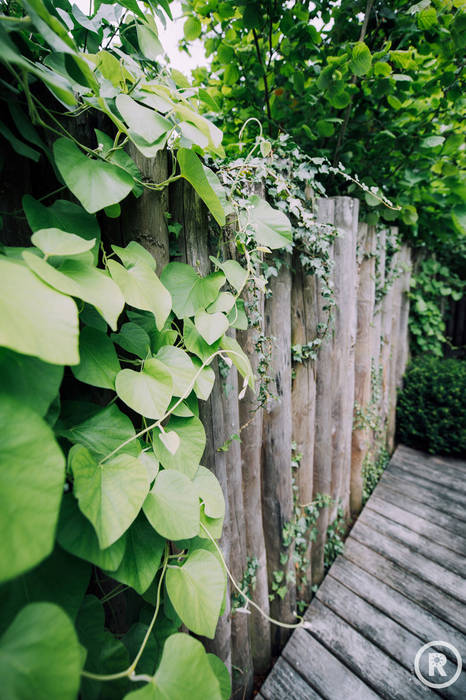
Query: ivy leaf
<point>210,492</point>
<point>32,472</point>
<point>211,326</point>
<point>77,536</point>
<point>193,171</point>
<point>271,227</point>
<point>142,289</point>
<point>110,495</point>
<point>190,292</point>
<point>99,364</point>
<point>29,380</point>
<point>95,183</point>
<point>361,59</point>
<point>143,553</point>
<point>192,443</point>
<point>183,659</point>
<point>34,319</point>
<point>40,656</point>
<point>53,241</point>
<point>148,392</point>
<point>196,591</point>
<point>172,506</point>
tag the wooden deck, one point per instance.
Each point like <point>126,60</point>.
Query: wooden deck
<point>400,583</point>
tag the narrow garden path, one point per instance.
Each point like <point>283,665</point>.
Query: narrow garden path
<point>400,584</point>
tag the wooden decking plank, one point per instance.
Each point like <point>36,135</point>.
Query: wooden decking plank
<point>445,492</point>
<point>426,569</point>
<point>283,682</point>
<point>446,522</point>
<point>430,497</point>
<point>321,668</point>
<point>425,458</point>
<point>436,475</point>
<point>380,629</point>
<point>410,585</point>
<point>424,546</point>
<point>394,604</point>
<point>363,657</point>
<point>424,527</point>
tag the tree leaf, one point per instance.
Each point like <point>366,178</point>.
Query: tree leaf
<point>95,183</point>
<point>271,227</point>
<point>211,326</point>
<point>210,492</point>
<point>196,591</point>
<point>99,364</point>
<point>142,289</point>
<point>34,319</point>
<point>172,506</point>
<point>32,472</point>
<point>40,656</point>
<point>192,443</point>
<point>192,170</point>
<point>53,241</point>
<point>189,291</point>
<point>192,28</point>
<point>29,380</point>
<point>148,392</point>
<point>111,494</point>
<point>361,59</point>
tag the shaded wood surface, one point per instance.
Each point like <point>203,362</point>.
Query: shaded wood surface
<point>400,583</point>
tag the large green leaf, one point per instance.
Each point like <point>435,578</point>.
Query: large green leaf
<point>211,326</point>
<point>196,591</point>
<point>80,279</point>
<point>32,471</point>
<point>234,272</point>
<point>142,289</point>
<point>148,392</point>
<point>133,254</point>
<point>111,494</point>
<point>192,443</point>
<point>95,183</point>
<point>210,492</point>
<point>180,366</point>
<point>28,379</point>
<point>133,339</point>
<point>77,536</point>
<point>196,344</point>
<point>193,171</point>
<point>53,241</point>
<point>271,226</point>
<point>34,319</point>
<point>183,659</point>
<point>144,548</point>
<point>222,674</point>
<point>143,121</point>
<point>40,656</point>
<point>148,42</point>
<point>190,292</point>
<point>361,59</point>
<point>99,364</point>
<point>172,506</point>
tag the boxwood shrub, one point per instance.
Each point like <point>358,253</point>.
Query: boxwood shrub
<point>431,412</point>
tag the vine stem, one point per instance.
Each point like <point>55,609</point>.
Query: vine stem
<point>286,625</point>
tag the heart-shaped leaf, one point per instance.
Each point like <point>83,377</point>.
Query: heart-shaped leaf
<point>172,506</point>
<point>271,226</point>
<point>171,441</point>
<point>211,326</point>
<point>210,492</point>
<point>235,274</point>
<point>99,364</point>
<point>180,366</point>
<point>142,289</point>
<point>147,392</point>
<point>192,443</point>
<point>190,292</point>
<point>52,241</point>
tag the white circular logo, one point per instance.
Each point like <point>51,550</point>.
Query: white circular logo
<point>436,662</point>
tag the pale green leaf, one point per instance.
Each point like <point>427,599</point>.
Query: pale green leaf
<point>189,291</point>
<point>234,272</point>
<point>196,344</point>
<point>172,506</point>
<point>210,492</point>
<point>224,302</point>
<point>180,366</point>
<point>193,171</point>
<point>205,381</point>
<point>133,254</point>
<point>143,122</point>
<point>53,241</point>
<point>149,42</point>
<point>222,674</point>
<point>238,357</point>
<point>271,227</point>
<point>142,289</point>
<point>192,28</point>
<point>148,392</point>
<point>211,326</point>
<point>192,444</point>
<point>133,339</point>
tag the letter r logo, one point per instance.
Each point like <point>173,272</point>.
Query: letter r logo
<point>436,663</point>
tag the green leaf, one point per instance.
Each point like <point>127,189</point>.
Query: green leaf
<point>53,241</point>
<point>426,19</point>
<point>205,381</point>
<point>142,556</point>
<point>29,380</point>
<point>133,339</point>
<point>144,123</point>
<point>231,74</point>
<point>222,674</point>
<point>210,492</point>
<point>34,319</point>
<point>142,289</point>
<point>95,183</point>
<point>233,271</point>
<point>432,141</point>
<point>40,656</point>
<point>149,42</point>
<point>99,364</point>
<point>271,227</point>
<point>361,59</point>
<point>195,343</point>
<point>192,444</point>
<point>237,317</point>
<point>180,366</point>
<point>239,359</point>
<point>32,471</point>
<point>196,591</point>
<point>211,326</point>
<point>172,506</point>
<point>111,494</point>
<point>82,280</point>
<point>189,291</point>
<point>133,254</point>
<point>77,536</point>
<point>192,170</point>
<point>192,28</point>
<point>183,659</point>
<point>133,641</point>
<point>382,68</point>
<point>148,392</point>
<point>325,128</point>
<point>224,302</point>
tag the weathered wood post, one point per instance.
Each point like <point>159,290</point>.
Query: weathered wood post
<point>362,361</point>
<point>387,318</point>
<point>403,352</point>
<point>323,412</point>
<point>277,494</point>
<point>346,221</point>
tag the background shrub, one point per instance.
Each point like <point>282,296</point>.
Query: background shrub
<point>431,409</point>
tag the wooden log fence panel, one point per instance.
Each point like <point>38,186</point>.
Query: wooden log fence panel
<point>403,348</point>
<point>395,349</point>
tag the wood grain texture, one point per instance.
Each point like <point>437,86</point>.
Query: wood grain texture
<point>284,682</point>
<point>424,494</point>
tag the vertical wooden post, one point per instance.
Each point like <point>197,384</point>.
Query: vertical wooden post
<point>251,419</point>
<point>387,317</point>
<point>304,330</point>
<point>346,220</point>
<point>379,273</point>
<point>362,361</point>
<point>403,353</point>
<point>277,498</point>
<point>323,412</point>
